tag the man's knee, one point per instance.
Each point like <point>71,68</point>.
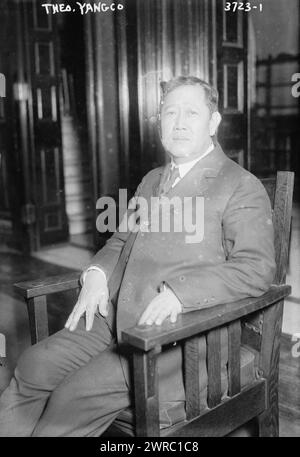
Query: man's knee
<point>34,366</point>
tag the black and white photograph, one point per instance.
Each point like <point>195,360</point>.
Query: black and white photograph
<point>149,221</point>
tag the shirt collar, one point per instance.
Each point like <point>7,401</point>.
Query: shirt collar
<point>184,168</point>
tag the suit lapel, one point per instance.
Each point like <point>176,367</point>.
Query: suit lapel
<point>159,184</point>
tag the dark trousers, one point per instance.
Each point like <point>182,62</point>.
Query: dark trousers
<point>70,384</point>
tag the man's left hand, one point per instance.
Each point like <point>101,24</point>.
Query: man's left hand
<point>164,305</point>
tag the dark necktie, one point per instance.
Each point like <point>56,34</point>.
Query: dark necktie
<point>173,175</point>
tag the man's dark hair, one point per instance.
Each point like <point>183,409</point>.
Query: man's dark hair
<point>211,94</point>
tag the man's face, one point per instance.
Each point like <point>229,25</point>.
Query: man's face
<point>186,123</point>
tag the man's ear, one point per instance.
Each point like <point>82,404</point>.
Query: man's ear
<point>214,123</point>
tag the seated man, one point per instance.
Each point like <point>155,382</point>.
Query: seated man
<point>77,381</point>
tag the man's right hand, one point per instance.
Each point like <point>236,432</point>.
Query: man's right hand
<point>94,294</point>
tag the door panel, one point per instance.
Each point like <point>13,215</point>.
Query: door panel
<point>44,71</point>
<point>9,164</point>
<point>232,76</point>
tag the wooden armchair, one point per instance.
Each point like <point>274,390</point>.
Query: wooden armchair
<point>254,322</point>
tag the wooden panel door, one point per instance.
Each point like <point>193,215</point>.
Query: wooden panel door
<point>232,81</point>
<point>11,195</point>
<point>44,119</point>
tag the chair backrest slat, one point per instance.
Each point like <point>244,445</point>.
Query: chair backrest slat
<point>234,358</point>
<point>280,191</point>
<point>191,374</point>
<point>214,390</point>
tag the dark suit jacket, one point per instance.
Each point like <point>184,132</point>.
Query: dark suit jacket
<point>234,260</point>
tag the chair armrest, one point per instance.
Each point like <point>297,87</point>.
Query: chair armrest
<point>50,285</point>
<point>194,322</point>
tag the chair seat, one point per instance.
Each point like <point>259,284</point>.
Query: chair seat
<point>172,413</point>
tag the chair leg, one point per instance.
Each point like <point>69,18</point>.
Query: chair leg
<point>38,318</point>
<point>268,421</point>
